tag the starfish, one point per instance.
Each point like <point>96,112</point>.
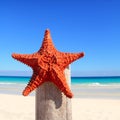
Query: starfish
<point>48,65</point>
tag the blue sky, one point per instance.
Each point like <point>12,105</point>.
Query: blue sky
<point>92,26</point>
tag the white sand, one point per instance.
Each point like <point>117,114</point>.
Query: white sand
<point>96,109</point>
<point>14,107</point>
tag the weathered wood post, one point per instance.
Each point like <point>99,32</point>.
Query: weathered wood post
<point>51,104</point>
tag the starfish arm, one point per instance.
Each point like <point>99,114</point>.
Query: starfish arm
<point>36,80</point>
<point>27,59</point>
<point>58,78</point>
<point>68,58</point>
<point>47,42</point>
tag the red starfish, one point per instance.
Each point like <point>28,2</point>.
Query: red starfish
<point>48,64</point>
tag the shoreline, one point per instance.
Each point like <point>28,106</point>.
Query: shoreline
<point>79,91</point>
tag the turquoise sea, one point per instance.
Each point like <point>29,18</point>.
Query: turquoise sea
<point>104,87</point>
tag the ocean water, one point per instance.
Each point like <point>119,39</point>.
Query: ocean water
<point>96,81</point>
<point>104,87</point>
<point>96,87</point>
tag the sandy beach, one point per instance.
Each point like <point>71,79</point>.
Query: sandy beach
<point>17,107</point>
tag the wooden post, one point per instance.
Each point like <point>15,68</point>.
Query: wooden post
<point>51,104</point>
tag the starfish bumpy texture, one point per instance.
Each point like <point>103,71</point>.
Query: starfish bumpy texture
<point>48,65</point>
